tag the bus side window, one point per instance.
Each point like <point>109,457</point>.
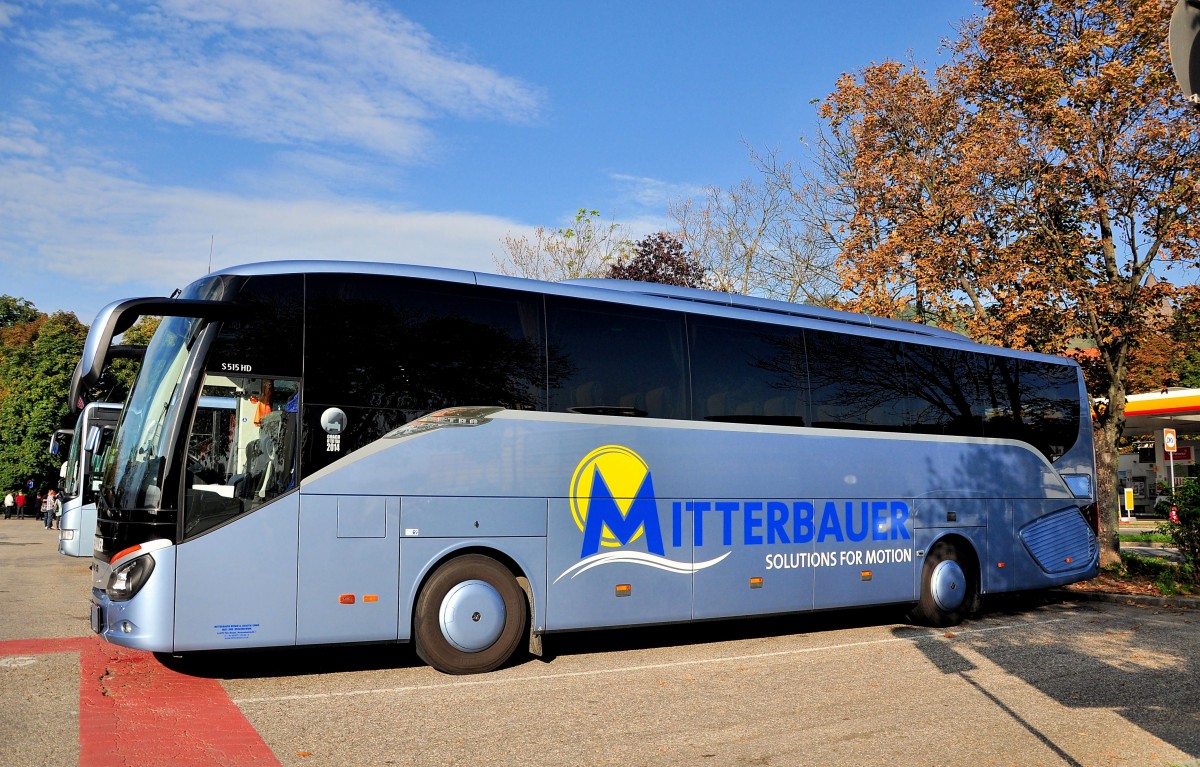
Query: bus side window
<point>606,359</point>
<point>747,373</point>
<point>857,382</point>
<point>945,393</point>
<point>1049,395</point>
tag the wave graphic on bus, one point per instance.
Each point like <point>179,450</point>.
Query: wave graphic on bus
<point>639,558</point>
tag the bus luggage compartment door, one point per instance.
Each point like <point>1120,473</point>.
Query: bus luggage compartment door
<point>637,577</point>
<point>864,553</point>
<point>348,569</point>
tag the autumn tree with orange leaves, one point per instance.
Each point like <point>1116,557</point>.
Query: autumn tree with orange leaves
<point>1024,192</point>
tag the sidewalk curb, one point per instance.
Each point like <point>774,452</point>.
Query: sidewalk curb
<point>1186,603</point>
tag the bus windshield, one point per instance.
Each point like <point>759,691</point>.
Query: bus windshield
<point>72,479</point>
<point>134,467</point>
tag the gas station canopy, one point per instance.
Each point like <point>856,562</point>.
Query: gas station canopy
<point>1177,409</point>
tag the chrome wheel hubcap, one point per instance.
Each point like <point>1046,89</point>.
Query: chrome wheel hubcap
<point>949,585</point>
<point>472,616</point>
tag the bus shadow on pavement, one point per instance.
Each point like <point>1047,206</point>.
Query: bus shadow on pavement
<point>1115,665</point>
<point>292,661</point>
<point>730,630</point>
<point>714,631</point>
<point>303,661</point>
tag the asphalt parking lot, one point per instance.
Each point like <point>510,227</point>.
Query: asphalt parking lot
<point>1029,682</point>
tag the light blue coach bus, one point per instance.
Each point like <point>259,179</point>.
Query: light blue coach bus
<point>93,433</point>
<point>469,462</point>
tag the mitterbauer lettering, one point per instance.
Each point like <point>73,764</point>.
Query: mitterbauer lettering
<point>614,504</point>
<point>752,523</point>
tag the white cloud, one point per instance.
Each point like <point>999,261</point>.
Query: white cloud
<point>347,90</point>
<point>19,137</point>
<point>8,12</point>
<point>653,193</point>
<point>315,72</point>
<point>85,225</point>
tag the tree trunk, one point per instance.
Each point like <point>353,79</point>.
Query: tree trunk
<point>1108,494</point>
<point>1107,435</point>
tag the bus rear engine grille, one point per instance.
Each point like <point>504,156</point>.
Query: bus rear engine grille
<point>1060,542</point>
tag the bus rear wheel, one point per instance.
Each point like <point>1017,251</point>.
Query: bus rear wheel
<point>470,616</point>
<point>949,586</point>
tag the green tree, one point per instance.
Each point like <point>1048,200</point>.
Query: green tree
<point>1185,533</point>
<point>36,363</point>
<point>15,311</point>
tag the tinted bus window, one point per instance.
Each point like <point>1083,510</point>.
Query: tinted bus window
<point>748,373</point>
<point>608,359</point>
<point>1049,407</point>
<point>857,382</point>
<point>267,342</point>
<point>1035,402</point>
<point>1000,394</point>
<point>945,391</point>
<point>381,351</point>
<point>383,342</point>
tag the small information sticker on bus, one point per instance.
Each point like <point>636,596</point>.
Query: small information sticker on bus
<point>412,532</point>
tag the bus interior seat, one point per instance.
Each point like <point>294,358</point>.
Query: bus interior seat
<point>590,394</point>
<point>658,403</point>
<point>776,406</point>
<point>749,407</point>
<point>715,407</point>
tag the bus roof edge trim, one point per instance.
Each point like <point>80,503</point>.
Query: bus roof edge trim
<point>773,306</point>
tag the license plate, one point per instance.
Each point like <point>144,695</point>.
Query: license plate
<point>97,619</point>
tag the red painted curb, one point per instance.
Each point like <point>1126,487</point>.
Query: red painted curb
<point>45,646</point>
<point>134,710</point>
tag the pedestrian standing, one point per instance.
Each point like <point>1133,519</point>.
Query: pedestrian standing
<point>20,499</point>
<point>55,508</point>
<point>10,506</point>
<point>48,509</point>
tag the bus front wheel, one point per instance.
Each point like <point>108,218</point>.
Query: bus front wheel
<point>949,586</point>
<point>470,616</point>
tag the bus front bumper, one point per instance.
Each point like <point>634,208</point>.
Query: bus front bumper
<point>145,621</point>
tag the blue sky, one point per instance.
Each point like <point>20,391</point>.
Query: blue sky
<point>138,138</point>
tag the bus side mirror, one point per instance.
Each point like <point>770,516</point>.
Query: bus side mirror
<point>93,439</point>
<point>1185,53</point>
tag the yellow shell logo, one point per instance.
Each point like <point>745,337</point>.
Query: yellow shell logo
<point>623,471</point>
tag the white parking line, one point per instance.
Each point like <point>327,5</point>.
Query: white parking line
<point>494,680</point>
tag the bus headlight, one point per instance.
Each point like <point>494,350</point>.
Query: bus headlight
<point>127,579</point>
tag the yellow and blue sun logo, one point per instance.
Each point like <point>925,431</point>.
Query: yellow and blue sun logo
<point>613,502</point>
